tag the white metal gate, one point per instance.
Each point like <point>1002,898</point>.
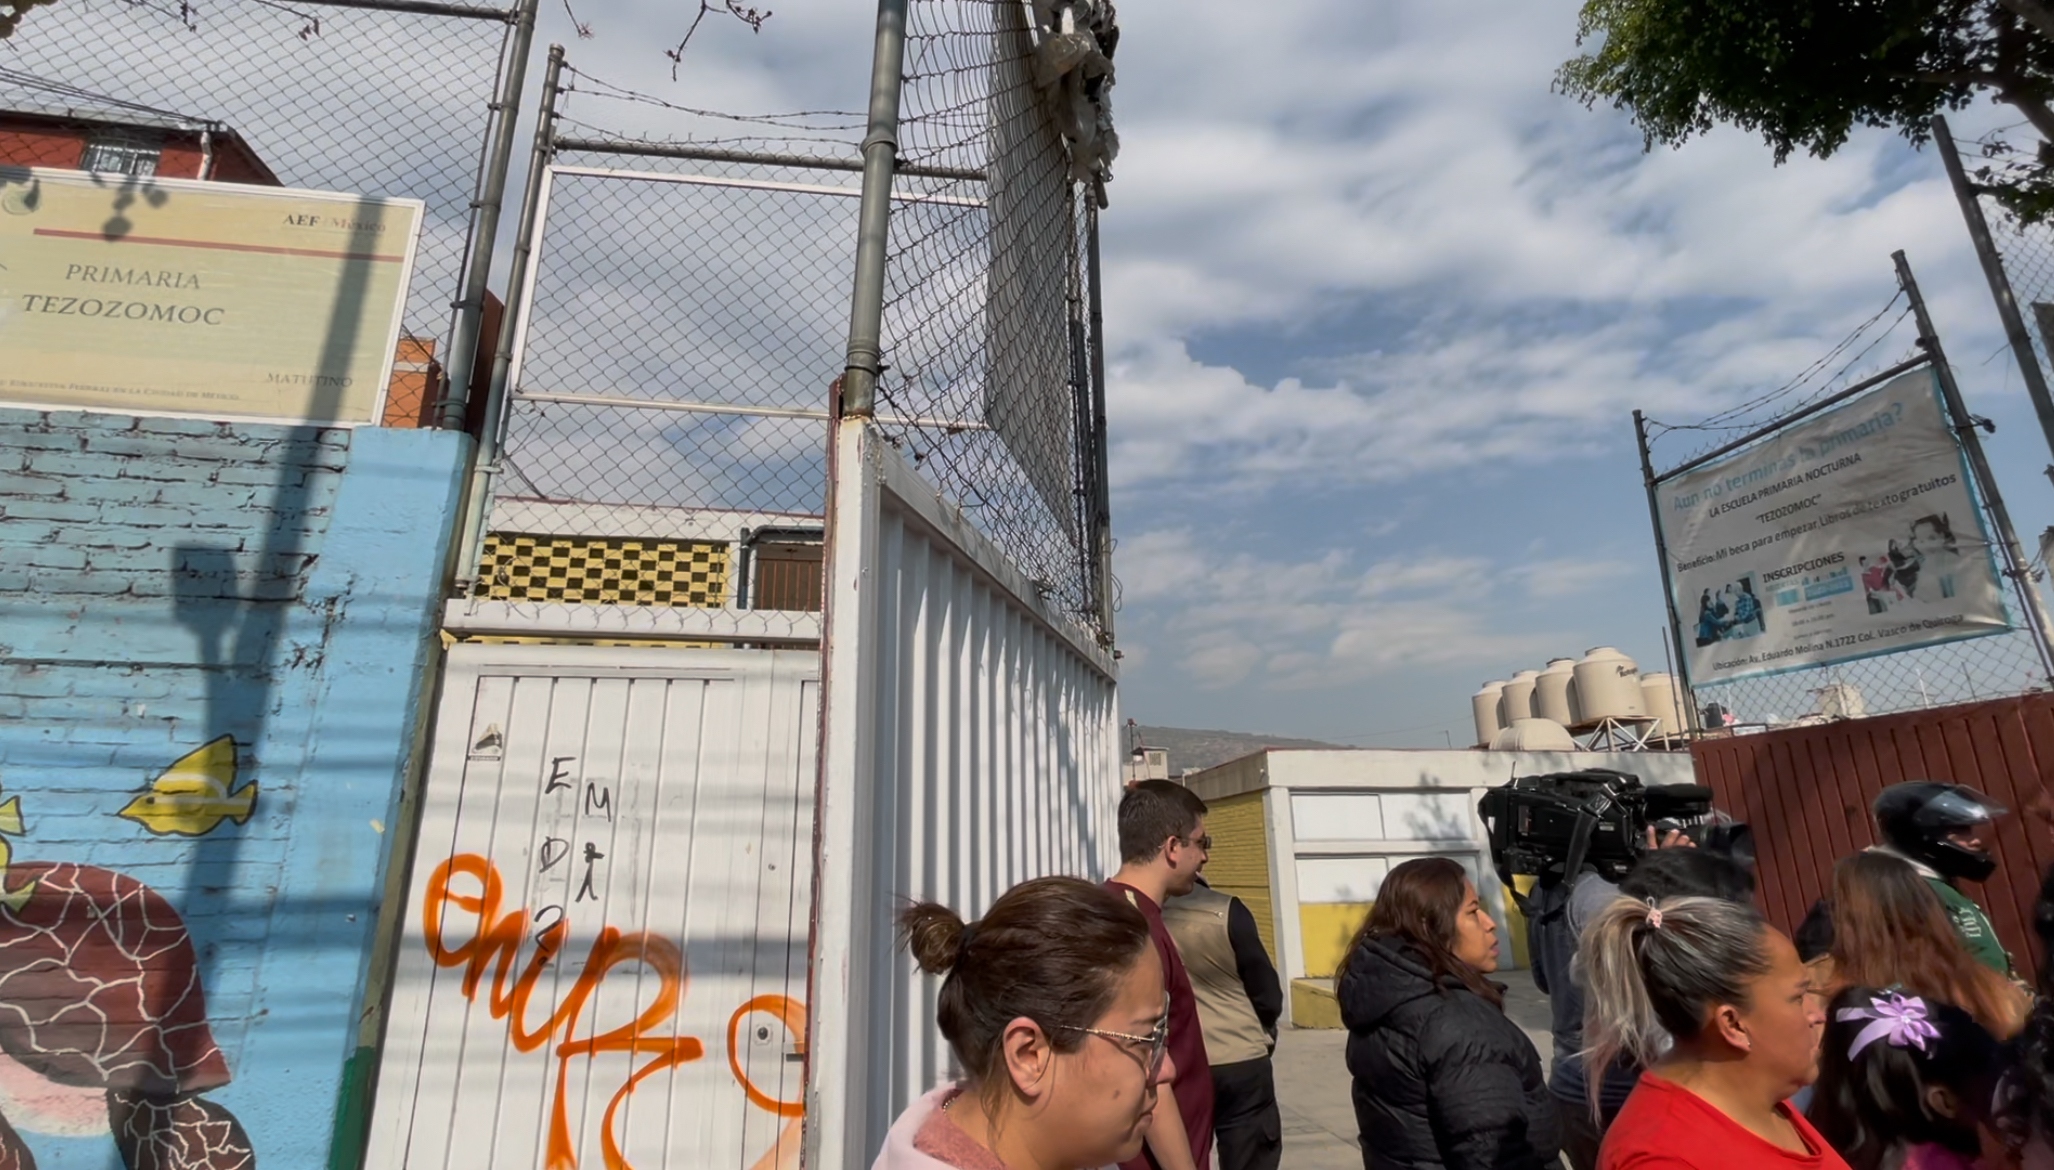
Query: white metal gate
<point>970,744</point>
<point>603,957</point>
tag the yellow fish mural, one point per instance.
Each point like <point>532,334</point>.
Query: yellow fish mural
<point>195,794</point>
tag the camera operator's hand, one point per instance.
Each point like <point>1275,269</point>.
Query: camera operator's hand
<point>1673,839</point>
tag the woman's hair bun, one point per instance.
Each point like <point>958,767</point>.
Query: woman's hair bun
<point>934,935</point>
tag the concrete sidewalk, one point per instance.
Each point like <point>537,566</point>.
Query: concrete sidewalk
<point>1313,1086</point>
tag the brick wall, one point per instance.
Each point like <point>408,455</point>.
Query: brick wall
<point>1239,864</point>
<point>165,583</point>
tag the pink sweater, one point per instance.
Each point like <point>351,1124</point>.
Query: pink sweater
<point>923,1138</point>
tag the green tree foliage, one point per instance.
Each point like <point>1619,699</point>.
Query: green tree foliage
<point>1805,73</point>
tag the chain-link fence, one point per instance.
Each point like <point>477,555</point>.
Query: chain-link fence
<point>989,299</point>
<point>678,329</point>
<point>683,324</point>
<point>685,314</point>
<point>396,99</point>
<point>2024,251</point>
<point>1989,667</point>
<point>2001,663</point>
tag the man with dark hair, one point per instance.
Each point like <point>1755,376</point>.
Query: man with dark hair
<point>1162,848</point>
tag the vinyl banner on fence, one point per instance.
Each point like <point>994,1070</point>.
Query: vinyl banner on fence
<point>1852,534</point>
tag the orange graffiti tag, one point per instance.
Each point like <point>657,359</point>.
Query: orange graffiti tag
<point>784,1153</point>
<point>495,943</point>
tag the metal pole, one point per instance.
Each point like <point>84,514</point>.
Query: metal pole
<point>2000,284</point>
<point>471,538</point>
<point>1654,515</point>
<point>804,162</point>
<point>2016,565</point>
<point>873,221</point>
<point>425,8</point>
<point>1101,503</point>
<point>463,342</point>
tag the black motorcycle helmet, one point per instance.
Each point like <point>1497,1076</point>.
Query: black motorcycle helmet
<point>1916,817</point>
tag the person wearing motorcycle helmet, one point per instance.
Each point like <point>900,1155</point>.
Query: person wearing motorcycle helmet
<point>1942,830</point>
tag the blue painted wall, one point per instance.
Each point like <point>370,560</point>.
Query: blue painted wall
<point>164,583</point>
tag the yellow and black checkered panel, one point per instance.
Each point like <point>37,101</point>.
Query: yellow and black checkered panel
<point>604,571</point>
<point>635,643</point>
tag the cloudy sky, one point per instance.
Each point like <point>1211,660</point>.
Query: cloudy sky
<point>1380,305</point>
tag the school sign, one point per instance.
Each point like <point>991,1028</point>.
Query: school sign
<point>167,296</point>
<point>1855,533</point>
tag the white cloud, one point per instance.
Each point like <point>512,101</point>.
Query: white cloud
<point>1414,162</point>
<point>1570,577</point>
<point>1330,620</point>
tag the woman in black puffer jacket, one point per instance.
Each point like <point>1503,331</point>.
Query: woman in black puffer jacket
<point>1443,1081</point>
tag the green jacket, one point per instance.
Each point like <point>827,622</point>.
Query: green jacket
<point>1974,926</point>
<point>1969,920</point>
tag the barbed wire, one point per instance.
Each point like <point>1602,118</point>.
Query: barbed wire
<point>1731,420</point>
<point>599,88</point>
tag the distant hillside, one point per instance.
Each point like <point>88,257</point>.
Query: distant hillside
<point>1202,749</point>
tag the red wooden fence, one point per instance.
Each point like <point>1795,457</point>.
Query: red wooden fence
<point>1807,792</point>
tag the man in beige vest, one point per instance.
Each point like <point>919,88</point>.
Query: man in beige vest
<point>1239,1002</point>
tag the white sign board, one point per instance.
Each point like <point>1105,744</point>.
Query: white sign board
<point>220,300</point>
<point>1852,534</point>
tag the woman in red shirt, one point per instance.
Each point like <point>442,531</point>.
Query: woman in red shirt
<point>1714,1003</point>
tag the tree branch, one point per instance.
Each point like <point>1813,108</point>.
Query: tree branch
<point>2035,110</point>
<point>2034,12</point>
<point>584,30</point>
<point>752,17</point>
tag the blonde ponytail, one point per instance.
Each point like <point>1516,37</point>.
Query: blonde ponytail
<point>1653,971</point>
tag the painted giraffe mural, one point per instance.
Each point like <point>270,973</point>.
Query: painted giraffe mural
<point>103,1019</point>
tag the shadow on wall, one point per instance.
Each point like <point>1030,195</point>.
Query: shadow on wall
<point>104,986</point>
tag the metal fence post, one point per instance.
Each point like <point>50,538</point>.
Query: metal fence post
<point>873,225</point>
<point>1654,515</point>
<point>2000,284</point>
<point>2016,564</point>
<point>1101,530</point>
<point>470,319</point>
<point>471,536</point>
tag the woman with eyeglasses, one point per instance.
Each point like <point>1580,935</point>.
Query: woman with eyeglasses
<point>1442,1078</point>
<point>1055,1007</point>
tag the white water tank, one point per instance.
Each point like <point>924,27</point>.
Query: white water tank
<point>1484,706</point>
<point>1841,700</point>
<point>1551,692</point>
<point>1533,735</point>
<point>1518,698</point>
<point>1658,695</point>
<point>1608,687</point>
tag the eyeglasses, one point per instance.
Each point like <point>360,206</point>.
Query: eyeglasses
<point>1204,843</point>
<point>1158,1041</point>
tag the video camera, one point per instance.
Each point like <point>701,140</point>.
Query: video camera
<point>1552,826</point>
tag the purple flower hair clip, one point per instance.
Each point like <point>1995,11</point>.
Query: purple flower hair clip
<point>1900,1019</point>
